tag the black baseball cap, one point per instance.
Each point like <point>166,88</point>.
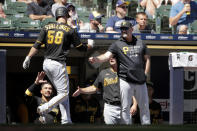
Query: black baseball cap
<point>126,24</point>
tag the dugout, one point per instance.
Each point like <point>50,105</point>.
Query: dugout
<point>159,45</point>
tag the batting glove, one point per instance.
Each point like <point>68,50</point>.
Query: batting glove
<point>26,62</point>
<point>91,43</point>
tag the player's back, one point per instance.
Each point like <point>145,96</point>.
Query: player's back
<point>58,40</point>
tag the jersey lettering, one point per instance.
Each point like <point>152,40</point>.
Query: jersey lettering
<point>125,50</point>
<point>132,51</point>
<point>58,27</point>
<point>109,81</point>
<point>55,37</point>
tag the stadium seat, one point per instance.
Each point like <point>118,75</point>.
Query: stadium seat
<point>104,21</point>
<point>83,15</point>
<point>84,19</point>
<point>19,7</point>
<point>6,24</point>
<point>7,2</point>
<point>151,22</point>
<point>48,20</point>
<point>193,27</point>
<point>26,23</point>
<point>10,13</point>
<point>162,19</point>
<point>132,9</point>
<point>139,7</point>
<point>13,15</point>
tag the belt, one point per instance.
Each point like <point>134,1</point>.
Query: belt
<point>57,60</point>
<point>115,103</point>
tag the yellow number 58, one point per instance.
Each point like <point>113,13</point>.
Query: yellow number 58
<point>55,37</point>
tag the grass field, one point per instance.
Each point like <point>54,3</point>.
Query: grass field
<point>85,127</point>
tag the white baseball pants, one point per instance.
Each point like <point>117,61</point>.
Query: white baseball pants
<point>127,90</point>
<point>57,73</point>
<point>112,114</point>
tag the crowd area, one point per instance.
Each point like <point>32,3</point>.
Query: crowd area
<point>149,16</point>
<point>85,107</point>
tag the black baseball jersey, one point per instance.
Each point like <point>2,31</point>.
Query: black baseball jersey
<point>58,38</point>
<point>34,101</point>
<point>130,58</point>
<point>109,82</point>
<point>155,112</point>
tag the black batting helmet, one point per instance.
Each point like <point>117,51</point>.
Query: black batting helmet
<point>61,12</point>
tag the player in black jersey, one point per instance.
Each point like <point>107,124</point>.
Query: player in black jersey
<point>57,38</point>
<point>155,107</point>
<point>33,101</point>
<point>108,81</point>
<point>133,66</point>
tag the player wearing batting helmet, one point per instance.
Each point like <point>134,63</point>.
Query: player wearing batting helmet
<point>57,37</point>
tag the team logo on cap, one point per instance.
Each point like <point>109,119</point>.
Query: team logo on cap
<point>124,23</point>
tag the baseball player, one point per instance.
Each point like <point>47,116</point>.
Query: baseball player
<point>57,37</point>
<point>133,65</point>
<point>108,79</point>
<point>46,94</point>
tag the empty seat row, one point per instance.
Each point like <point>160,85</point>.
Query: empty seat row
<point>24,23</point>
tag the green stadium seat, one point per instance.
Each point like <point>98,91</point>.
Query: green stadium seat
<point>47,20</point>
<point>83,15</point>
<point>8,1</point>
<point>104,21</point>
<point>13,15</point>
<point>10,13</point>
<point>132,9</point>
<point>193,27</point>
<point>151,22</point>
<point>27,23</point>
<point>84,19</point>
<point>6,24</point>
<point>19,7</point>
<point>162,19</point>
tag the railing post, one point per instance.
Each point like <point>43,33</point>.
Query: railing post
<point>2,86</point>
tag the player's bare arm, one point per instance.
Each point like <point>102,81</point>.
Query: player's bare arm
<point>26,62</point>
<point>133,108</point>
<point>174,20</point>
<point>88,90</point>
<point>32,52</point>
<point>147,65</point>
<point>101,58</point>
<point>110,30</point>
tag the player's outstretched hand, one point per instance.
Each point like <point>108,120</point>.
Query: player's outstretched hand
<point>77,92</point>
<point>92,60</point>
<point>40,77</point>
<point>26,62</point>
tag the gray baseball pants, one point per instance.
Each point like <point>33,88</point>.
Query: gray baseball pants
<point>112,114</point>
<point>127,90</point>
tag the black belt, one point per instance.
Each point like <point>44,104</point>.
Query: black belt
<point>57,60</point>
<point>115,103</point>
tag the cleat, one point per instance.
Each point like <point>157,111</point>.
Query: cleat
<point>42,119</point>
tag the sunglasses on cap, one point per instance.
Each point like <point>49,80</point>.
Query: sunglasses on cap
<point>124,28</point>
<point>124,7</point>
